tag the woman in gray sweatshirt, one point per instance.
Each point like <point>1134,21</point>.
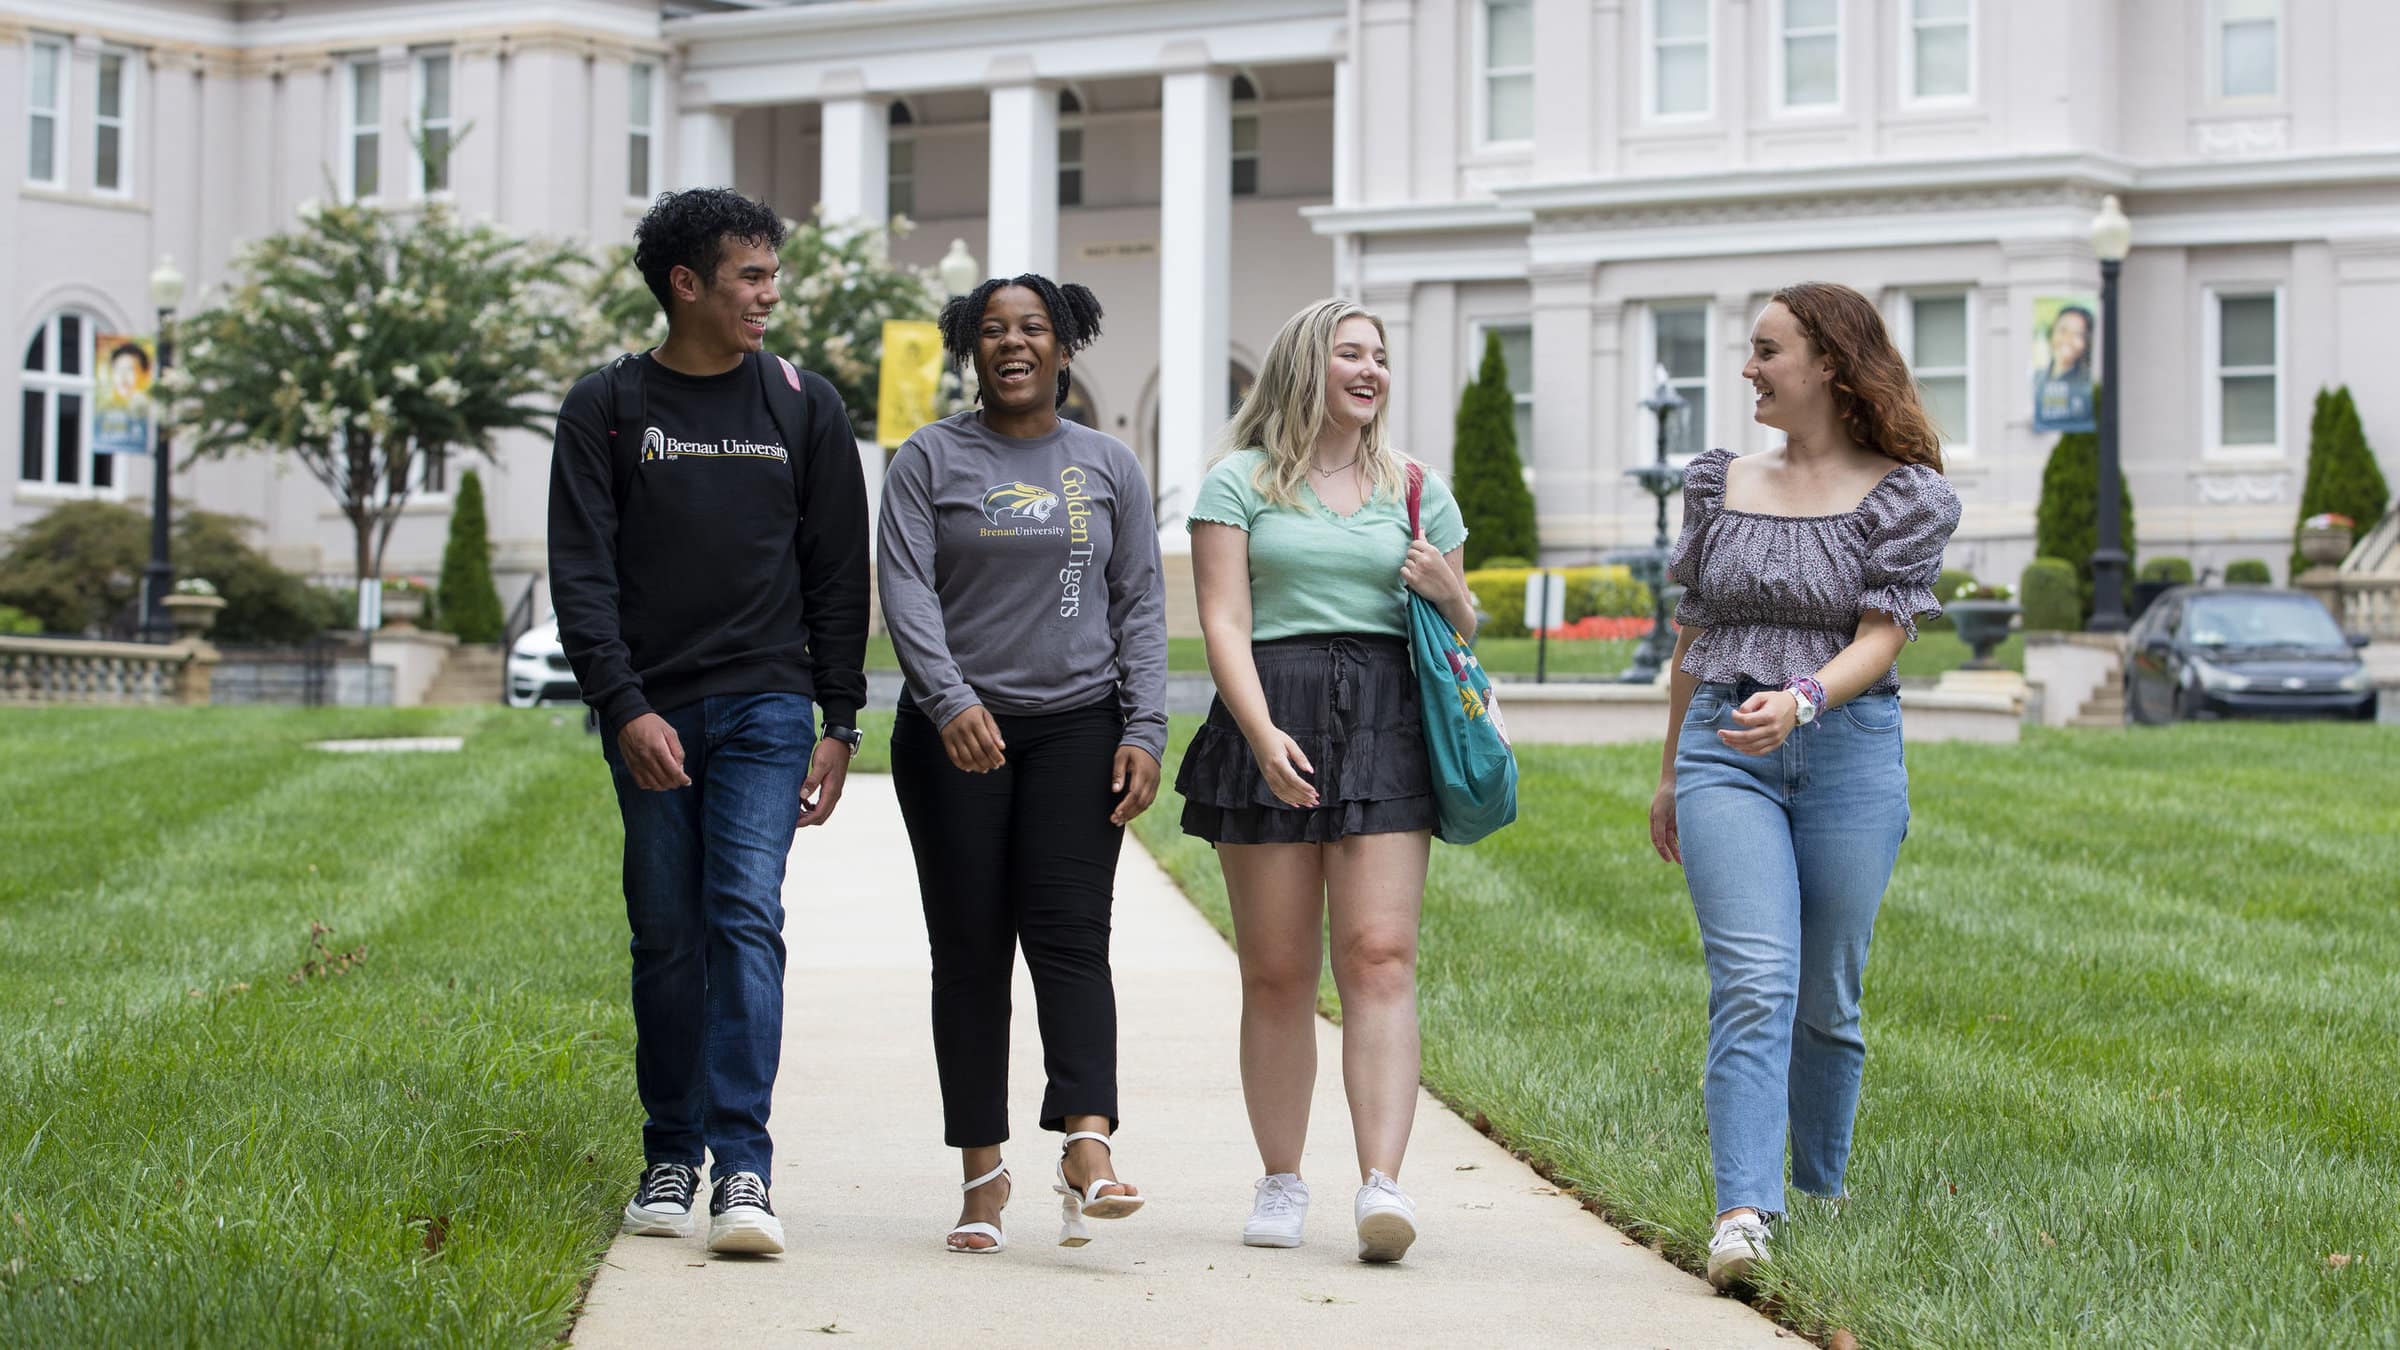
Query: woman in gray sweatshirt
<point>1019,572</point>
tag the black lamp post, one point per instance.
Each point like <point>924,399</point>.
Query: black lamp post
<point>1661,480</point>
<point>2112,238</point>
<point>166,291</point>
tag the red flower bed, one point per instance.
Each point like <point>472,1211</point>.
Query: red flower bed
<point>1603,627</point>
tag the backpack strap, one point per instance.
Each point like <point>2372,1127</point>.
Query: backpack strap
<point>628,406</point>
<point>786,395</point>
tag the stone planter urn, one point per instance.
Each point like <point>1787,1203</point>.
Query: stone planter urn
<point>192,615</point>
<point>402,609</point>
<point>2324,545</point>
<point>1983,626</point>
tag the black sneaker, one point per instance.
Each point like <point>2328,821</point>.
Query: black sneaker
<point>740,1219</point>
<point>662,1204</point>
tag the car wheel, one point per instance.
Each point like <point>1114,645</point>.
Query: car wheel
<point>2182,705</point>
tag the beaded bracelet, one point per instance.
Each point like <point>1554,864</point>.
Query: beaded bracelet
<point>1806,689</point>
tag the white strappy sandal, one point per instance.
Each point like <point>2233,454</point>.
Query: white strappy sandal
<point>1088,1203</point>
<point>990,1230</point>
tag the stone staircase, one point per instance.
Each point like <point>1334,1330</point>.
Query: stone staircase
<point>2106,706</point>
<point>472,674</point>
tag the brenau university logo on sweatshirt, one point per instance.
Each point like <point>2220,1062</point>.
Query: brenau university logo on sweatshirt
<point>658,445</point>
<point>1020,510</point>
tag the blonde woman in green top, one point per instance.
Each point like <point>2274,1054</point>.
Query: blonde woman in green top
<point>1310,775</point>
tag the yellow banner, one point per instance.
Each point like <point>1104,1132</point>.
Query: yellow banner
<point>910,392</point>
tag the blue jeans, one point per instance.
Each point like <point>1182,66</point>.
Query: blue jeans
<point>704,893</point>
<point>1787,856</point>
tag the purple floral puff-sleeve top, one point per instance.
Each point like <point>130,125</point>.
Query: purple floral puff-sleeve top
<point>1780,596</point>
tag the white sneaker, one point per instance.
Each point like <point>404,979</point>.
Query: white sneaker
<point>1739,1247</point>
<point>1387,1219</point>
<point>662,1204</point>
<point>1278,1212</point>
<point>741,1219</point>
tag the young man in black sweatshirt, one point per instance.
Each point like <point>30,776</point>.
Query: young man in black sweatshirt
<point>708,560</point>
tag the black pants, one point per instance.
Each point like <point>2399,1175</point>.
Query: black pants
<point>1022,855</point>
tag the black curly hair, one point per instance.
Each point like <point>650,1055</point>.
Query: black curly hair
<point>689,229</point>
<point>1074,312</point>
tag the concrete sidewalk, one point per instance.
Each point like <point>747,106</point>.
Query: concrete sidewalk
<point>866,1190</point>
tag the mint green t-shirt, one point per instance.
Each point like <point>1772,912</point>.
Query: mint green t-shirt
<point>1312,571</point>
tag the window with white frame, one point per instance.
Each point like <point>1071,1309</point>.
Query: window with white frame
<point>1070,148</point>
<point>2247,38</point>
<point>1507,71</point>
<point>2246,370</point>
<point>431,130</point>
<point>1937,338</point>
<point>1516,352</point>
<point>54,430</point>
<point>900,162</point>
<point>1245,136</point>
<point>1679,342</point>
<point>641,129</point>
<point>1809,54</point>
<point>362,130</point>
<point>45,112</point>
<point>109,109</point>
<point>1679,57</point>
<point>1938,50</point>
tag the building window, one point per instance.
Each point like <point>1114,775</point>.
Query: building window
<point>108,124</point>
<point>1937,356</point>
<point>1679,47</point>
<point>1679,342</point>
<point>641,128</point>
<point>56,418</point>
<point>1938,49</point>
<point>1809,64</point>
<point>1507,71</point>
<point>1070,148</point>
<point>900,164</point>
<point>1245,136</point>
<point>2247,37</point>
<point>2245,357</point>
<point>362,131</point>
<point>45,106</point>
<point>431,135</point>
<point>1516,352</point>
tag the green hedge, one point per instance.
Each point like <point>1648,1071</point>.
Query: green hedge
<point>2066,519</point>
<point>15,622</point>
<point>2249,572</point>
<point>2172,570</point>
<point>1500,594</point>
<point>2343,476</point>
<point>2050,595</point>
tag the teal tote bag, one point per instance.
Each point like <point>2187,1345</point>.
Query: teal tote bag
<point>1474,774</point>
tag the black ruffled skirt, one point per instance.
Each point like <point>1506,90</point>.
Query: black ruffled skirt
<point>1350,702</point>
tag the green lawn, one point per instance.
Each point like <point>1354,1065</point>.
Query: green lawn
<point>2132,1023</point>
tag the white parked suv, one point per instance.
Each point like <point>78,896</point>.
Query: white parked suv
<point>537,669</point>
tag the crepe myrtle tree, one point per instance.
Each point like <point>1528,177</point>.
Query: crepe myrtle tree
<point>364,342</point>
<point>837,288</point>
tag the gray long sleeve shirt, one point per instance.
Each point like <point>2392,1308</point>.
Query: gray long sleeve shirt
<point>1024,575</point>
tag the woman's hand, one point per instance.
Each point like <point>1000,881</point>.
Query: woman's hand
<point>1767,719</point>
<point>1279,758</point>
<point>1136,776</point>
<point>1662,823</point>
<point>972,740</point>
<point>1428,573</point>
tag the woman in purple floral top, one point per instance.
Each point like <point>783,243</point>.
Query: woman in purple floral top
<point>1783,791</point>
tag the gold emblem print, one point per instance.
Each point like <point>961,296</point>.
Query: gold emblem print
<point>1019,501</point>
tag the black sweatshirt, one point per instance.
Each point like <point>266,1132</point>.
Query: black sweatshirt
<point>681,565</point>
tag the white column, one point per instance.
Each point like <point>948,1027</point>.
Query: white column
<point>1195,219</point>
<point>856,178</point>
<point>703,148</point>
<point>1024,183</point>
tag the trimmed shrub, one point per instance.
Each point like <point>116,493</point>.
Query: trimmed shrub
<point>2066,522</point>
<point>2343,476</point>
<point>2248,572</point>
<point>1607,591</point>
<point>77,568</point>
<point>2171,570</point>
<point>467,603</point>
<point>2051,599</point>
<point>264,605</point>
<point>1508,561</point>
<point>1486,475</point>
<point>15,622</point>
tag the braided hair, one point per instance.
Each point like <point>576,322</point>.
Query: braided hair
<point>1074,314</point>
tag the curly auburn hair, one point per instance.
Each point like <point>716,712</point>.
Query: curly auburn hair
<point>1074,312</point>
<point>1873,392</point>
<point>689,229</point>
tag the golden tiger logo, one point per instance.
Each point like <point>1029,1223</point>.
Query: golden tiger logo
<point>1022,501</point>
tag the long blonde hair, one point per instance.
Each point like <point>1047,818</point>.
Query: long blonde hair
<point>1286,409</point>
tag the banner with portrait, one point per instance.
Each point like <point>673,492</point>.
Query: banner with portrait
<point>2066,350</point>
<point>124,367</point>
<point>908,395</point>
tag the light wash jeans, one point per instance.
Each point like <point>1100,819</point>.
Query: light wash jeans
<point>1787,855</point>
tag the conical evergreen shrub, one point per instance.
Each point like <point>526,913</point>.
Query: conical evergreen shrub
<point>467,603</point>
<point>2066,523</point>
<point>1486,476</point>
<point>2343,476</point>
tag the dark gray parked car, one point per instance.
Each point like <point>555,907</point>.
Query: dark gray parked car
<point>2243,651</point>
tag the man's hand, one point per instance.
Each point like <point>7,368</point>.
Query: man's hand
<point>653,754</point>
<point>972,740</point>
<point>828,769</point>
<point>1136,776</point>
